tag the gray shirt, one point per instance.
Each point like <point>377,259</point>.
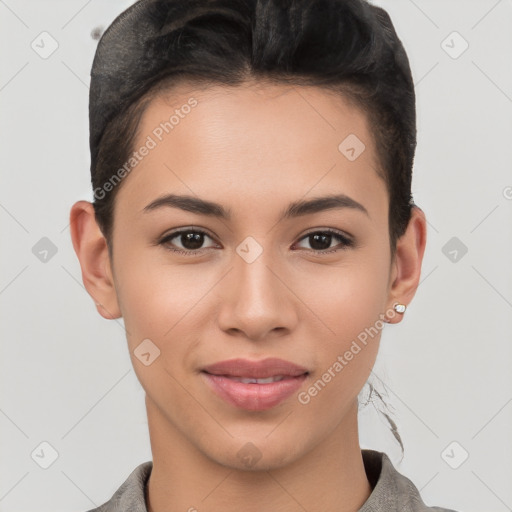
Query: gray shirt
<point>391,491</point>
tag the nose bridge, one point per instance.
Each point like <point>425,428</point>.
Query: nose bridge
<point>256,301</point>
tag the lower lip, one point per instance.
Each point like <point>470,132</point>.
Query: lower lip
<point>253,397</point>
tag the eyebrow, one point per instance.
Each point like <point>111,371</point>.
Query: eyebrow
<point>295,209</point>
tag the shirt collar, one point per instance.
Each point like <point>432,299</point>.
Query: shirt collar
<point>390,489</point>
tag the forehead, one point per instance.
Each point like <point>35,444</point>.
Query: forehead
<point>234,142</point>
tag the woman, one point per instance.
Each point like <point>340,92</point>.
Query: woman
<point>253,224</point>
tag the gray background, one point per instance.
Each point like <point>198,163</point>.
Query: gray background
<point>66,376</point>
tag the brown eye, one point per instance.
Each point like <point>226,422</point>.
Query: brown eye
<point>320,241</point>
<point>186,241</point>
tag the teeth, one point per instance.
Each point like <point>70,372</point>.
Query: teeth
<point>258,381</point>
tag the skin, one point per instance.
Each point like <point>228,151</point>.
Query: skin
<point>254,149</point>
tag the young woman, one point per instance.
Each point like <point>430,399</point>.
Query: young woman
<point>254,227</point>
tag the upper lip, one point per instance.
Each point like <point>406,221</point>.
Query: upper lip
<point>263,369</point>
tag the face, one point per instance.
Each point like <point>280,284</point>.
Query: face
<point>254,283</point>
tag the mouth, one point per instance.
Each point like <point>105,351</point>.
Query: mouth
<point>254,385</point>
<point>252,380</point>
<point>271,367</point>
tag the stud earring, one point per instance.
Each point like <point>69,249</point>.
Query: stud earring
<point>400,308</point>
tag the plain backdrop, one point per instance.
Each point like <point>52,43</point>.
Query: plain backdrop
<point>68,389</point>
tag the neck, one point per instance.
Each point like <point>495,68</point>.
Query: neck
<point>329,478</point>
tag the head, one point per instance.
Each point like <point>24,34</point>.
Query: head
<point>255,109</point>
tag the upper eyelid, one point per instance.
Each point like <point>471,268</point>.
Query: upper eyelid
<point>331,231</point>
<point>180,231</point>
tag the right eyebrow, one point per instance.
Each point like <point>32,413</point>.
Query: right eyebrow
<point>189,204</point>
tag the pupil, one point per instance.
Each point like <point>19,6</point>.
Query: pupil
<point>192,240</point>
<point>315,238</point>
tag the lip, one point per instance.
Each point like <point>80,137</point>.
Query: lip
<point>255,369</point>
<point>254,396</point>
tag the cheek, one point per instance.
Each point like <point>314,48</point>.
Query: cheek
<point>161,304</point>
<point>346,298</point>
<point>349,302</point>
<point>160,301</point>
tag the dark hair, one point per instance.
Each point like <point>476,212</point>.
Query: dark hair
<point>349,47</point>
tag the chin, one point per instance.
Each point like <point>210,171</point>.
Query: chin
<point>256,453</point>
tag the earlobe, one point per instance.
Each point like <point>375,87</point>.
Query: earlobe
<point>92,251</point>
<point>408,260</point>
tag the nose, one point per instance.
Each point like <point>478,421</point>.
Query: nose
<point>256,301</point>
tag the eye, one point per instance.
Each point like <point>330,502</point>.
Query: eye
<point>191,241</point>
<point>321,241</point>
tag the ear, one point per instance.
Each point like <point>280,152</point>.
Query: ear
<point>406,266</point>
<point>91,248</point>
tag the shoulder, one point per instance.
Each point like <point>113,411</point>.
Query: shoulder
<point>391,489</point>
<point>130,495</point>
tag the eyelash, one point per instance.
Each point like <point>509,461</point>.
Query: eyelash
<point>345,241</point>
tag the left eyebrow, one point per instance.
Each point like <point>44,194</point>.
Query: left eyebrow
<point>295,209</point>
<point>319,204</point>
